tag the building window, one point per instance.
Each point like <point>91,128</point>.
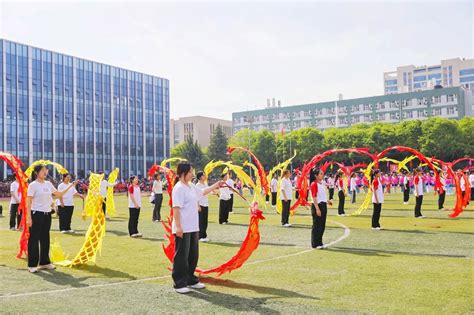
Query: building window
<point>466,79</point>
<point>391,82</point>
<point>466,72</point>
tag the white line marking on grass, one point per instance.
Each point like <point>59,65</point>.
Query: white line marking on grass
<point>346,234</point>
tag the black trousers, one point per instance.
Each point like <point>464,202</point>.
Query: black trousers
<point>353,196</point>
<point>285,212</point>
<point>419,201</point>
<point>15,217</point>
<point>342,199</point>
<point>224,211</point>
<point>319,224</point>
<point>186,255</point>
<point>104,206</point>
<point>203,221</point>
<point>441,198</point>
<point>267,198</point>
<point>65,216</point>
<point>376,215</point>
<point>134,214</point>
<point>38,243</point>
<point>230,205</point>
<point>331,193</point>
<point>157,208</point>
<point>406,193</point>
<point>274,198</point>
<point>472,195</point>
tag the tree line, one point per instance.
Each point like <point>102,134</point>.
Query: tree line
<point>442,138</point>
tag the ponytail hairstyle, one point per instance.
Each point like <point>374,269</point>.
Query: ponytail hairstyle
<point>199,175</point>
<point>38,168</point>
<point>181,170</point>
<point>372,174</point>
<point>130,182</point>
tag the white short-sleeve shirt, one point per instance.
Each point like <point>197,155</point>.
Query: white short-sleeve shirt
<point>42,196</point>
<point>230,182</point>
<point>157,187</point>
<point>136,192</point>
<point>68,197</point>
<point>274,185</point>
<point>186,197</point>
<point>286,187</point>
<point>203,201</point>
<point>14,187</point>
<point>377,191</point>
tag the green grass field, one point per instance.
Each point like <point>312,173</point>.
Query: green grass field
<point>414,265</point>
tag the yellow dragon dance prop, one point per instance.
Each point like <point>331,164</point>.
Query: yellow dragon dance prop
<point>280,168</point>
<point>109,202</point>
<point>96,231</point>
<point>61,169</point>
<point>402,165</point>
<point>171,160</point>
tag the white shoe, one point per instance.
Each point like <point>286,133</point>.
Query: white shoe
<point>420,217</point>
<point>32,269</point>
<point>405,203</point>
<point>139,235</point>
<point>64,231</point>
<point>224,222</point>
<point>134,235</point>
<point>13,229</point>
<point>47,267</point>
<point>376,228</point>
<point>198,285</point>
<point>183,290</point>
<point>341,215</point>
<point>287,225</point>
<point>320,247</point>
<point>71,231</point>
<point>204,240</point>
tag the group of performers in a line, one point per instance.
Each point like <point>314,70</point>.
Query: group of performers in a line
<point>191,208</point>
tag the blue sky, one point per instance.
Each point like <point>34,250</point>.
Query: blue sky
<point>229,56</point>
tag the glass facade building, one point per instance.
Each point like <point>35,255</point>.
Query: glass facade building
<point>85,115</point>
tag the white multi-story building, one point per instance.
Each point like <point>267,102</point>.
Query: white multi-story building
<point>450,72</point>
<point>199,127</point>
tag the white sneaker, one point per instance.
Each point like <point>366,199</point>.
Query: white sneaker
<point>183,290</point>
<point>405,203</point>
<point>71,231</point>
<point>204,240</point>
<point>420,217</point>
<point>341,215</point>
<point>64,231</point>
<point>134,235</point>
<point>198,285</point>
<point>47,267</point>
<point>320,247</point>
<point>224,222</point>
<point>32,269</point>
<point>139,235</point>
<point>377,228</point>
<point>287,225</point>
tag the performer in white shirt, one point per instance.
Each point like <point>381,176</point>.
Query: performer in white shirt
<point>66,205</point>
<point>15,216</point>
<point>377,199</point>
<point>203,207</point>
<point>104,184</point>
<point>319,208</point>
<point>224,201</point>
<point>230,182</point>
<point>353,187</point>
<point>286,192</point>
<point>274,189</point>
<point>134,206</point>
<point>157,190</point>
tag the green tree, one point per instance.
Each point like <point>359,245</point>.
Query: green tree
<point>466,125</point>
<point>191,151</point>
<point>217,149</point>
<point>264,147</point>
<point>242,138</point>
<point>441,138</point>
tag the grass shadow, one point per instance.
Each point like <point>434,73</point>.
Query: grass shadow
<point>107,272</point>
<point>63,279</point>
<point>388,253</point>
<point>235,303</point>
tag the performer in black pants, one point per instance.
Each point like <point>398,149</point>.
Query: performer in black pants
<point>224,201</point>
<point>38,205</point>
<point>157,190</point>
<point>274,189</point>
<point>330,185</point>
<point>319,208</point>
<point>185,228</point>
<point>15,216</point>
<point>66,205</point>
<point>418,183</point>
<point>441,191</point>
<point>341,193</point>
<point>286,191</point>
<point>406,188</point>
<point>377,199</point>
<point>134,206</point>
<point>203,207</point>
